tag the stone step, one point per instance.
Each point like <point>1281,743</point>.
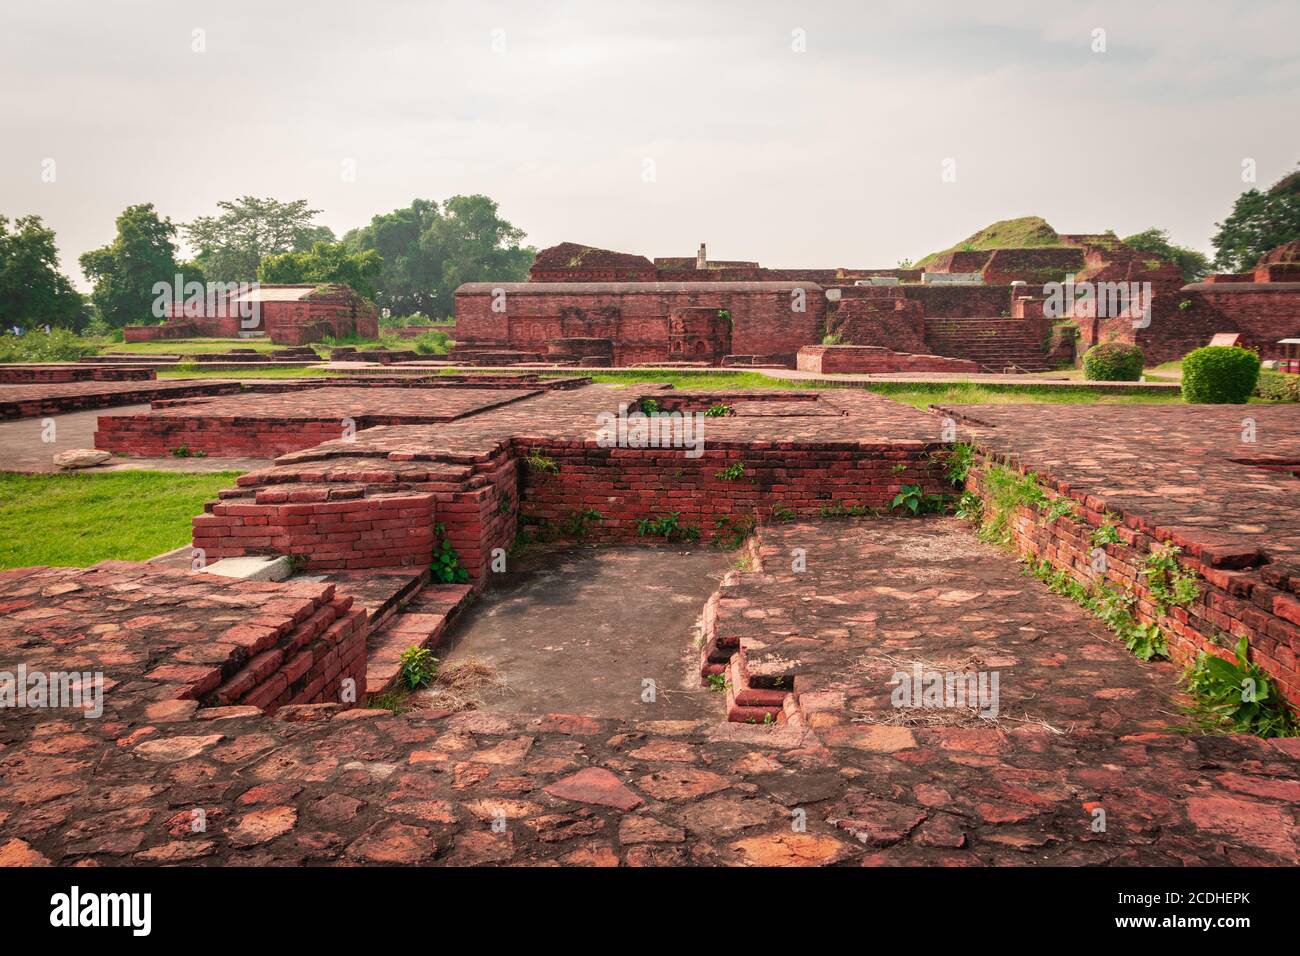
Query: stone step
<point>423,622</point>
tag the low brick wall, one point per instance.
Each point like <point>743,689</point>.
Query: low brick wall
<point>302,661</point>
<point>1234,602</point>
<point>37,399</point>
<point>333,528</point>
<point>871,359</point>
<point>153,436</point>
<point>627,484</point>
<point>24,374</point>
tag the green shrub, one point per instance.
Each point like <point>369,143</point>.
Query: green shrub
<point>1113,362</point>
<point>419,667</point>
<point>1278,387</point>
<point>1219,375</point>
<point>59,345</point>
<point>1236,696</point>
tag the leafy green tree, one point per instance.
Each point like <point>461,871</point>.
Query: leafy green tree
<point>33,292</point>
<point>229,247</point>
<point>428,252</point>
<point>325,262</point>
<point>1193,265</point>
<point>1259,222</point>
<point>125,270</point>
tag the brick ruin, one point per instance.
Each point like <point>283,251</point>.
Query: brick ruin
<point>594,307</point>
<point>286,314</point>
<point>249,697</point>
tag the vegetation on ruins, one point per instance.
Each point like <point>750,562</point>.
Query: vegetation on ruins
<point>718,682</point>
<point>781,513</point>
<point>732,530</point>
<point>733,472</point>
<point>1278,387</point>
<point>1192,264</point>
<point>1113,362</point>
<point>540,464</point>
<point>1259,221</point>
<point>1170,584</point>
<point>837,510</point>
<point>960,458</point>
<point>1110,606</point>
<point>446,566</point>
<point>1007,489</point>
<point>970,507</point>
<point>912,500</point>
<point>717,410</point>
<point>418,667</point>
<point>579,521</point>
<point>1220,375</point>
<point>58,345</point>
<point>667,526</point>
<point>1026,232</point>
<point>1106,533</point>
<point>1236,696</point>
<point>649,406</point>
<point>324,262</point>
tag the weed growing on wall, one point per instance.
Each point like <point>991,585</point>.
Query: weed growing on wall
<point>667,526</point>
<point>418,667</point>
<point>1236,696</point>
<point>446,566</point>
<point>1110,606</point>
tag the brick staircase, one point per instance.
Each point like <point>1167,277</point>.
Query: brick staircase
<point>997,344</point>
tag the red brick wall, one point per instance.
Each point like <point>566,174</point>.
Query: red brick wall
<point>153,436</point>
<point>22,374</point>
<point>383,530</point>
<point>960,301</point>
<point>627,484</point>
<point>1232,603</point>
<point>763,322</point>
<point>875,359</point>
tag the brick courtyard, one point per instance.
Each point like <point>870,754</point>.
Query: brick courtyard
<point>224,696</point>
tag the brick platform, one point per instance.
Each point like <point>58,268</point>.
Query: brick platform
<point>55,398</point>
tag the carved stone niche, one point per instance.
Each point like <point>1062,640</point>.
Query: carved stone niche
<point>698,335</point>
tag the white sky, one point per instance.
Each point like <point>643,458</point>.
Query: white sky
<point>829,157</point>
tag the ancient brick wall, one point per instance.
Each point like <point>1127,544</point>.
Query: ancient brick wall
<point>960,301</point>
<point>635,316</point>
<point>879,315</point>
<point>155,437</point>
<point>876,360</point>
<point>1232,603</point>
<point>625,485</point>
<point>23,374</point>
<point>1035,266</point>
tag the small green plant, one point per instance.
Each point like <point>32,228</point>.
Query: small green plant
<point>960,459</point>
<point>649,406</point>
<point>1219,375</point>
<point>970,507</point>
<point>718,683</point>
<point>782,513</point>
<point>1007,490</point>
<point>911,499</point>
<point>667,526</point>
<point>1170,584</point>
<point>724,314</point>
<point>718,410</point>
<point>418,667</point>
<point>539,463</point>
<point>837,510</point>
<point>898,469</point>
<point>1106,533</point>
<point>1184,305</point>
<point>188,366</point>
<point>446,566</point>
<point>1061,507</point>
<point>1236,696</point>
<point>731,531</point>
<point>733,472</point>
<point>182,452</point>
<point>833,338</point>
<point>1113,608</point>
<point>578,524</point>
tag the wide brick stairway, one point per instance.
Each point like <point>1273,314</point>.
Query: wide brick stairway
<point>997,344</point>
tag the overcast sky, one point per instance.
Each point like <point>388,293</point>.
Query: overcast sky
<point>649,127</point>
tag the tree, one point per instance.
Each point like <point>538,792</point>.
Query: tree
<point>1193,265</point>
<point>230,247</point>
<point>325,262</point>
<point>1259,221</point>
<point>33,292</point>
<point>428,252</point>
<point>125,270</point>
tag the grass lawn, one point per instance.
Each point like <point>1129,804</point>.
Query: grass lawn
<point>76,520</point>
<point>188,346</point>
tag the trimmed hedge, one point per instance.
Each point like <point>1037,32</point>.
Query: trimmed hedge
<point>1113,362</point>
<point>1278,387</point>
<point>1219,375</point>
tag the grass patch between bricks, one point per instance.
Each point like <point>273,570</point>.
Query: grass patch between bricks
<point>77,520</point>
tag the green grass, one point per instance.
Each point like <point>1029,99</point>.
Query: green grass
<point>188,346</point>
<point>76,520</point>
